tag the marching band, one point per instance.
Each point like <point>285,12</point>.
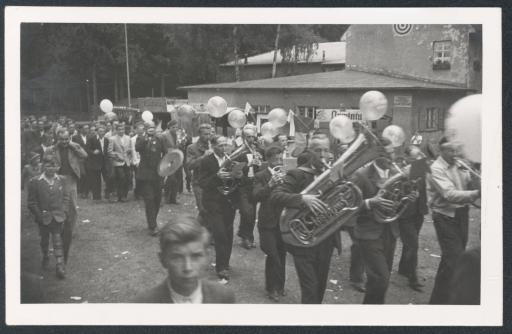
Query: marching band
<point>360,189</point>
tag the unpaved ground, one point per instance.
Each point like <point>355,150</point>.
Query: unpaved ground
<point>113,258</point>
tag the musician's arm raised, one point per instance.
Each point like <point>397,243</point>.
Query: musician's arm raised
<point>445,186</point>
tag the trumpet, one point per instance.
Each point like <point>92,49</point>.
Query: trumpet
<point>278,174</point>
<point>462,164</point>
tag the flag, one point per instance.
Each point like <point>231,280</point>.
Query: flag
<point>303,124</point>
<point>248,108</point>
<point>291,120</point>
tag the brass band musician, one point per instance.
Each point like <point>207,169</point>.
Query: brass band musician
<point>312,264</point>
<point>450,189</point>
<point>220,207</point>
<point>377,240</point>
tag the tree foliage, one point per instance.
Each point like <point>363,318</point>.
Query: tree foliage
<point>65,65</point>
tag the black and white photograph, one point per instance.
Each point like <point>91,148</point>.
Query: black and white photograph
<point>264,157</point>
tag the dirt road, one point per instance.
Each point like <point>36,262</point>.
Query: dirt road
<point>113,258</point>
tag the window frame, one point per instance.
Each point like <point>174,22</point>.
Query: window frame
<point>442,62</point>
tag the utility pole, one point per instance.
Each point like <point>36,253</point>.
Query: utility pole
<point>87,94</point>
<point>127,65</point>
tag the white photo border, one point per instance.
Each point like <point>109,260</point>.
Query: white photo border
<point>489,313</point>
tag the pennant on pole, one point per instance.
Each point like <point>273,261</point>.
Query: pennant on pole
<point>248,108</point>
<point>291,120</point>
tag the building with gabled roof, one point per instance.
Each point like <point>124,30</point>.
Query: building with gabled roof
<point>421,69</point>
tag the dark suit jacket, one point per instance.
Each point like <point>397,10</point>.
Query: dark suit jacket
<point>76,157</point>
<point>268,214</point>
<point>45,198</point>
<point>209,181</point>
<point>170,140</point>
<point>213,293</point>
<point>151,153</point>
<point>96,161</point>
<point>288,194</point>
<point>367,228</point>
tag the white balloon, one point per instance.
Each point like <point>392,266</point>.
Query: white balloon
<point>341,128</point>
<point>110,116</point>
<point>464,125</point>
<point>217,107</point>
<point>237,118</point>
<point>394,134</point>
<point>186,110</point>
<point>147,116</point>
<point>267,129</point>
<point>106,106</point>
<point>373,105</point>
<point>278,117</point>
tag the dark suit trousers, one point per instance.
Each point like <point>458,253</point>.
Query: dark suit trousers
<point>122,175</point>
<point>272,245</point>
<point>247,211</point>
<point>172,186</point>
<point>221,215</point>
<point>409,234</point>
<point>312,265</point>
<point>452,234</point>
<point>378,260</point>
<point>152,193</point>
<point>83,184</point>
<point>94,180</point>
<point>356,258</point>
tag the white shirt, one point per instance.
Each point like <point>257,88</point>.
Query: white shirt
<point>196,297</point>
<point>84,138</point>
<point>102,143</point>
<point>49,181</point>
<point>383,173</point>
<point>135,154</point>
<point>219,159</point>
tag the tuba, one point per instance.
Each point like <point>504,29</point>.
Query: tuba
<point>396,189</point>
<point>303,228</point>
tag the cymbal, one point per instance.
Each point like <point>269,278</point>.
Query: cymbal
<point>170,163</point>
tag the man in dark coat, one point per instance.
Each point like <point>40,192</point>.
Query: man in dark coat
<point>183,253</point>
<point>81,139</point>
<point>69,156</point>
<point>312,263</point>
<point>220,208</point>
<point>271,242</point>
<point>377,240</point>
<point>97,149</point>
<point>170,140</point>
<point>411,221</point>
<point>195,153</point>
<point>151,150</point>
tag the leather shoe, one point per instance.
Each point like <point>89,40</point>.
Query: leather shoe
<point>282,292</point>
<point>60,271</point>
<point>416,286</point>
<point>153,232</point>
<point>359,286</point>
<point>46,262</point>
<point>246,243</point>
<point>273,295</point>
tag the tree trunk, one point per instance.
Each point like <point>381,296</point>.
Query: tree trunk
<point>94,86</point>
<point>276,45</point>
<point>235,50</point>
<point>116,89</point>
<point>162,85</point>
